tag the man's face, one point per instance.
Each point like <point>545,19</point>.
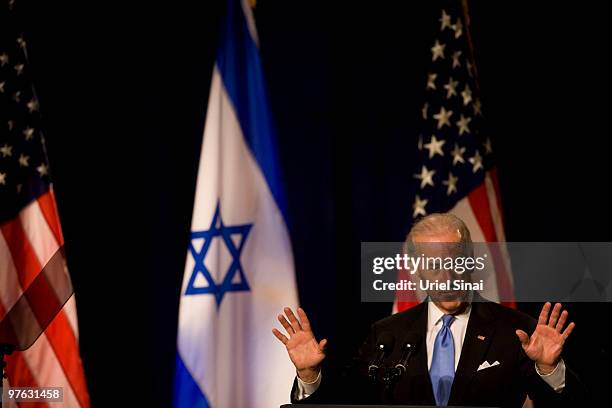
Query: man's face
<point>449,301</point>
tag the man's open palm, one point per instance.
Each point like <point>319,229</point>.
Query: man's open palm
<point>545,344</point>
<point>305,352</point>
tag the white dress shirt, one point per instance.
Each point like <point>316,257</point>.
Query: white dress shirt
<point>556,379</point>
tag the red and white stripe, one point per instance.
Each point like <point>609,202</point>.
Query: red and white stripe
<point>27,243</point>
<point>482,213</point>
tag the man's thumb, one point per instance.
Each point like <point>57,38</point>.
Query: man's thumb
<point>523,337</point>
<point>322,344</point>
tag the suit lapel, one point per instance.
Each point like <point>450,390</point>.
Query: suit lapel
<point>477,339</point>
<point>422,356</point>
<point>417,383</point>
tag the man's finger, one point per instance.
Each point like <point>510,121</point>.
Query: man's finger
<point>286,325</point>
<point>552,322</point>
<point>544,313</point>
<point>293,320</point>
<point>322,344</point>
<point>561,321</point>
<point>283,339</point>
<point>304,319</point>
<point>568,330</point>
<point>523,337</point>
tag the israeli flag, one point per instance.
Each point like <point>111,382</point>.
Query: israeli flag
<point>239,271</point>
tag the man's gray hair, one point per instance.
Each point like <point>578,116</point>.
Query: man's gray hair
<point>440,223</point>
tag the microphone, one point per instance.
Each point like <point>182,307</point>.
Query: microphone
<point>384,346</point>
<point>410,344</point>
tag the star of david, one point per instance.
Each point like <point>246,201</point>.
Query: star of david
<point>233,237</point>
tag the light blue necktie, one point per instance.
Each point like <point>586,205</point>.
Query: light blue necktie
<point>442,371</point>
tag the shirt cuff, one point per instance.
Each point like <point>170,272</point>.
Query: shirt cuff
<point>306,389</point>
<point>556,378</point>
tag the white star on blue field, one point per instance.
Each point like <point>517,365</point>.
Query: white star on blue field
<point>225,233</point>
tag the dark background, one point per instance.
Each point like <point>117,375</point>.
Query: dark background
<point>123,91</point>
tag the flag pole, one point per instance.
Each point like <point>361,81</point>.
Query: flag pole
<point>5,350</point>
<point>468,35</point>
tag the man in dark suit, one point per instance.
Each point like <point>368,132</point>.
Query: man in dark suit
<point>466,350</point>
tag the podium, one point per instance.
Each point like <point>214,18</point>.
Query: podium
<point>363,406</point>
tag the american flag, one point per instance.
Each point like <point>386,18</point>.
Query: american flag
<point>456,171</point>
<point>30,232</point>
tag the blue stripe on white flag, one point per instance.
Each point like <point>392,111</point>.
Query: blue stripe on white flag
<point>240,67</point>
<point>187,393</point>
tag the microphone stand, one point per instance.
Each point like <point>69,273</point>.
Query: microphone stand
<point>391,375</point>
<point>389,379</point>
<point>373,368</point>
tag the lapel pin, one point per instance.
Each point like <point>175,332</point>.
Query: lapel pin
<point>480,337</point>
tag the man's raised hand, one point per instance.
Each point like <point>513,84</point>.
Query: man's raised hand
<point>305,352</point>
<point>545,344</point>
